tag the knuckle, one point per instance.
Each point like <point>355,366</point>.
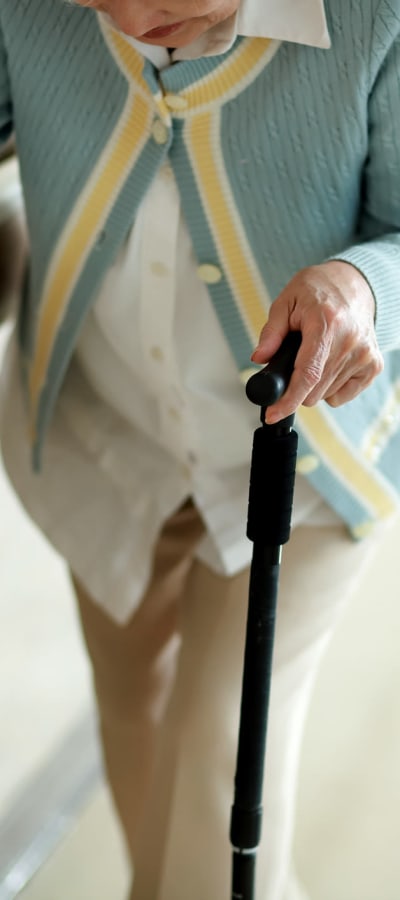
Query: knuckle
<point>310,401</point>
<point>378,364</point>
<point>333,315</point>
<point>371,361</point>
<point>311,374</point>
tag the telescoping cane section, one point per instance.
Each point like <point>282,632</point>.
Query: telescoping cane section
<point>271,488</point>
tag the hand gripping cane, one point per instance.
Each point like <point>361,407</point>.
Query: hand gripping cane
<point>268,526</point>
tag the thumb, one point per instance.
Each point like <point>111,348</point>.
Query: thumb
<point>272,334</point>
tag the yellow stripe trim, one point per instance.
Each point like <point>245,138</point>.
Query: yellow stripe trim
<point>232,75</point>
<point>347,466</point>
<point>132,65</point>
<point>80,234</point>
<point>237,264</point>
<point>92,208</point>
<point>384,426</point>
<point>130,61</point>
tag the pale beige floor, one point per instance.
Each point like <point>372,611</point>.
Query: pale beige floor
<point>89,864</point>
<point>347,839</point>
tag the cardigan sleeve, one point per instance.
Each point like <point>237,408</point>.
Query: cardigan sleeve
<point>377,255</point>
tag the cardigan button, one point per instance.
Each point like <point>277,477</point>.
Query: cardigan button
<point>159,132</point>
<point>363,529</point>
<point>175,102</point>
<point>307,464</point>
<point>209,273</point>
<point>159,269</point>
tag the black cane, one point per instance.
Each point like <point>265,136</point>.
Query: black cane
<point>268,527</point>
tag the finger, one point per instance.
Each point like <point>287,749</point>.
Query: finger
<point>307,375</point>
<point>332,383</point>
<point>275,329</point>
<point>291,399</point>
<point>270,340</point>
<point>343,392</point>
<point>351,381</point>
<point>347,392</point>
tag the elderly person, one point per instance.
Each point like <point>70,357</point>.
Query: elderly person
<point>192,169</point>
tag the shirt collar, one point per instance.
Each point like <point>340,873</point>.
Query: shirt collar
<point>299,21</point>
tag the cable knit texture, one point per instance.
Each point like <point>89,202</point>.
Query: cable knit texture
<point>284,155</point>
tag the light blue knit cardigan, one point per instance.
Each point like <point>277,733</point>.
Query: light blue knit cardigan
<point>284,156</point>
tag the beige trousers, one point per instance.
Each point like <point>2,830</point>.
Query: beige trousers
<point>168,689</point>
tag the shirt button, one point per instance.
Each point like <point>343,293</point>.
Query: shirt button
<point>175,102</point>
<point>159,132</point>
<point>389,419</point>
<point>373,453</point>
<point>307,464</point>
<point>209,273</point>
<point>166,171</point>
<point>363,529</point>
<point>159,268</point>
<point>174,414</point>
<point>245,374</point>
<point>157,354</point>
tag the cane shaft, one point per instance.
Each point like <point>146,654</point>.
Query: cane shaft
<point>268,526</point>
<point>247,808</point>
<point>243,875</point>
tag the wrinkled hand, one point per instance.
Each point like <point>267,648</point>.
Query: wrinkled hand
<point>333,306</point>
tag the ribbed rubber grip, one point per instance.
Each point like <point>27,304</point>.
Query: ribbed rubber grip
<point>271,490</point>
